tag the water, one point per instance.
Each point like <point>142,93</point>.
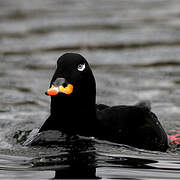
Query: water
<point>133,49</point>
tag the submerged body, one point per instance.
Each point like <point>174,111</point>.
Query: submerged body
<point>74,110</point>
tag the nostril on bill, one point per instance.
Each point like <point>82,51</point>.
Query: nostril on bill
<point>65,84</point>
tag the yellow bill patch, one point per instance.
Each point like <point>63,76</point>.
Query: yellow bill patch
<point>67,90</point>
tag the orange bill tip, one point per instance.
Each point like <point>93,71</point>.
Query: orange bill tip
<point>67,90</point>
<point>53,91</point>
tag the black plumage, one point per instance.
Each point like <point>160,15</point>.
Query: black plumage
<point>76,112</point>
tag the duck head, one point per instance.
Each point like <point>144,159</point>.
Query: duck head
<point>73,92</point>
<point>73,77</point>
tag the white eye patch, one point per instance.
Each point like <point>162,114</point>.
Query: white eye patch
<point>81,67</point>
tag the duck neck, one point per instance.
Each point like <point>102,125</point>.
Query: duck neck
<point>59,105</point>
<point>73,115</point>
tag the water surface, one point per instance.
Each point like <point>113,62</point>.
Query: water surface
<point>133,48</point>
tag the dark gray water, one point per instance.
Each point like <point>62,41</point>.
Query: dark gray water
<point>134,50</point>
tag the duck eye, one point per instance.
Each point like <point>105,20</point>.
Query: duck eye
<point>81,67</point>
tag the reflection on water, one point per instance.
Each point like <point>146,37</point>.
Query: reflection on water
<point>80,161</point>
<point>133,48</point>
<point>88,158</point>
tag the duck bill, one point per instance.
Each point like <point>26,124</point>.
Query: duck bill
<point>66,90</point>
<point>53,91</point>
